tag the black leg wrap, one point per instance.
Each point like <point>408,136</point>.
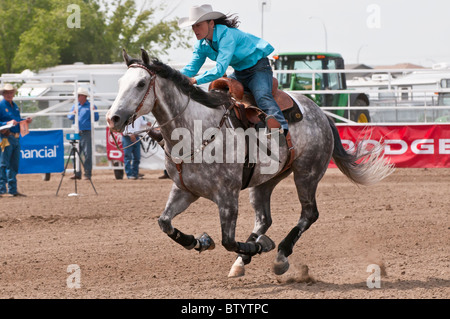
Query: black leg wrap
<point>250,249</point>
<point>287,243</point>
<point>247,258</point>
<point>187,241</point>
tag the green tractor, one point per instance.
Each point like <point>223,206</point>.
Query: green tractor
<point>322,81</point>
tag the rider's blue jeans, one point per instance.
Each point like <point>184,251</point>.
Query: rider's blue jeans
<point>258,79</point>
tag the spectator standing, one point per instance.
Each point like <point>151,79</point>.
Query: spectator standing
<point>84,125</point>
<point>132,147</point>
<point>10,143</point>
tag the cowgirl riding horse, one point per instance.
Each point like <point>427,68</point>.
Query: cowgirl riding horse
<point>221,41</point>
<point>151,86</point>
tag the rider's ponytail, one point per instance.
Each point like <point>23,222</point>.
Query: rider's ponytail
<point>231,21</point>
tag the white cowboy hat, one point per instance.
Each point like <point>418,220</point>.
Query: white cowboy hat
<point>199,14</point>
<point>82,91</point>
<point>8,87</point>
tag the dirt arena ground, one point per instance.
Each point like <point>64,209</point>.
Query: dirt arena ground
<point>402,225</point>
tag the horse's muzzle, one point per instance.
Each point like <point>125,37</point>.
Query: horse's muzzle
<point>111,124</point>
<point>115,123</point>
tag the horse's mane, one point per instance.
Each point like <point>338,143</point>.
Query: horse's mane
<point>211,99</point>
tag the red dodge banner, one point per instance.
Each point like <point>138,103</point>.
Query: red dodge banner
<point>407,146</point>
<point>113,153</point>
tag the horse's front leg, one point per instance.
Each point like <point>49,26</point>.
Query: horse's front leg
<point>179,200</point>
<point>260,200</point>
<point>262,223</point>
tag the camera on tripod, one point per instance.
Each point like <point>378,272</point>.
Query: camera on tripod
<point>73,136</point>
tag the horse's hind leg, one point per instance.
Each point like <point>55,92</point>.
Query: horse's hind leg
<point>306,188</point>
<point>179,200</point>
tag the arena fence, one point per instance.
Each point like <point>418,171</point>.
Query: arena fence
<point>423,101</point>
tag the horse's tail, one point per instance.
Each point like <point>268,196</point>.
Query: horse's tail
<point>362,166</point>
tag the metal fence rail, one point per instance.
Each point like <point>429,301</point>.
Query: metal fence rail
<point>392,100</point>
<point>49,112</point>
<point>390,103</point>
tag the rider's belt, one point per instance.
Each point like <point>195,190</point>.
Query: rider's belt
<point>16,135</point>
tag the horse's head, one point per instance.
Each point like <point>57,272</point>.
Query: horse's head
<point>136,94</point>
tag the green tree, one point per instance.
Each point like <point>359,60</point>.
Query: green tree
<point>133,29</point>
<point>35,33</point>
<point>41,44</point>
<point>15,18</point>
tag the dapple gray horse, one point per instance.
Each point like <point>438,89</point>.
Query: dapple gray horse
<point>151,86</point>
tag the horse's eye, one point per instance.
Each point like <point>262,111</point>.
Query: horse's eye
<point>141,84</point>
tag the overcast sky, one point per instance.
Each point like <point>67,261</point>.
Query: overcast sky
<point>375,32</point>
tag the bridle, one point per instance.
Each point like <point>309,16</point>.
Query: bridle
<point>177,161</point>
<point>150,86</point>
<point>133,116</point>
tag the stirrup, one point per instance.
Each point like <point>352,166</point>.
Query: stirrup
<point>278,131</point>
<point>272,123</point>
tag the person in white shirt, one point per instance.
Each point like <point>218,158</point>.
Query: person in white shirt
<point>132,147</point>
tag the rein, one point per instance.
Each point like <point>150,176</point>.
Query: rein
<point>177,161</point>
<point>191,156</point>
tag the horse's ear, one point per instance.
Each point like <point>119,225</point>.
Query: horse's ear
<point>145,57</point>
<point>126,57</point>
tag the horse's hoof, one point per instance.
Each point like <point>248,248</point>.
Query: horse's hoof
<point>238,269</point>
<point>266,243</point>
<point>280,266</point>
<point>206,243</point>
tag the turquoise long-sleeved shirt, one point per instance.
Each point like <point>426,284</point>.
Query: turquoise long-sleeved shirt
<point>229,47</point>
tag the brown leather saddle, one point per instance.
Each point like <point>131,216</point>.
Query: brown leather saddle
<point>245,108</point>
<point>250,115</point>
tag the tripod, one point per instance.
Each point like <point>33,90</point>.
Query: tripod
<point>73,152</point>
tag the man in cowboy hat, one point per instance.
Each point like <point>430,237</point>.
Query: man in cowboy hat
<point>221,41</point>
<point>10,145</point>
<point>84,125</point>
